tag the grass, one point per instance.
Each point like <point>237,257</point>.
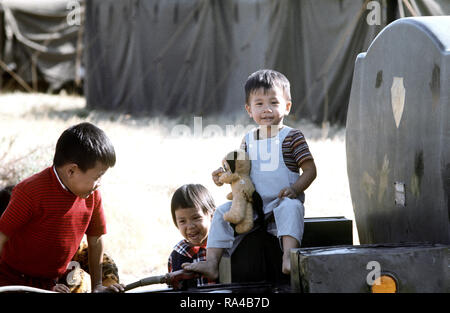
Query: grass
<point>152,161</point>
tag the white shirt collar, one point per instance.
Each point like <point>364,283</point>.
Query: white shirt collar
<point>56,173</point>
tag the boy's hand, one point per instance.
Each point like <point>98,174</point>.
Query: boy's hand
<point>61,288</point>
<point>287,192</point>
<point>111,289</point>
<point>216,174</point>
<point>303,182</point>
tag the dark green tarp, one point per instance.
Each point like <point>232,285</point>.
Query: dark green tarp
<point>192,57</point>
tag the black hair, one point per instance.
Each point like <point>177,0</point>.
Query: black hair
<point>192,196</point>
<point>5,196</point>
<point>267,79</point>
<point>84,144</point>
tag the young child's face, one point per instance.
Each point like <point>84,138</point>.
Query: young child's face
<point>268,107</point>
<point>193,225</point>
<point>83,184</point>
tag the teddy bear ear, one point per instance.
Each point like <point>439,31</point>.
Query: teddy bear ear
<point>231,156</point>
<point>232,165</point>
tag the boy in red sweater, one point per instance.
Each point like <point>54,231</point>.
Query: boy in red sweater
<point>49,213</point>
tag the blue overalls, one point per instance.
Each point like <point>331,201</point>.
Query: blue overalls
<point>269,174</point>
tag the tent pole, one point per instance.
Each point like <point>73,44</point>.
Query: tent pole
<point>401,10</point>
<point>16,77</point>
<point>79,47</point>
<point>34,72</point>
<point>409,7</point>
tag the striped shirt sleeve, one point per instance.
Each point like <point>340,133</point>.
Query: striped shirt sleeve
<point>295,150</point>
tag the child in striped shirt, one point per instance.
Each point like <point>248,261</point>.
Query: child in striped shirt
<point>50,212</point>
<point>277,153</point>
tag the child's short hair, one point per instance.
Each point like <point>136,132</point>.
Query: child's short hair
<point>5,196</point>
<point>267,79</point>
<point>192,196</point>
<point>84,144</point>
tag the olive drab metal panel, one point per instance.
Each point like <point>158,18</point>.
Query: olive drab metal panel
<point>414,268</point>
<point>398,134</point>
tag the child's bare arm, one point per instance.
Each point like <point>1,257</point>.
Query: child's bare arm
<point>95,255</point>
<point>309,174</point>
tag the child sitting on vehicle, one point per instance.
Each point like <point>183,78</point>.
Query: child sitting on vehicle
<point>192,209</point>
<point>277,153</point>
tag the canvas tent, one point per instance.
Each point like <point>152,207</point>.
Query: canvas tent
<point>191,57</point>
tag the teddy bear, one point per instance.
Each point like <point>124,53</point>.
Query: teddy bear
<point>236,167</point>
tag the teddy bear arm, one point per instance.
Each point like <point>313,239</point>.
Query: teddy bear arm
<point>237,211</point>
<point>224,177</point>
<point>247,223</point>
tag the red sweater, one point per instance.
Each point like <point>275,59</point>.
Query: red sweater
<point>45,224</point>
